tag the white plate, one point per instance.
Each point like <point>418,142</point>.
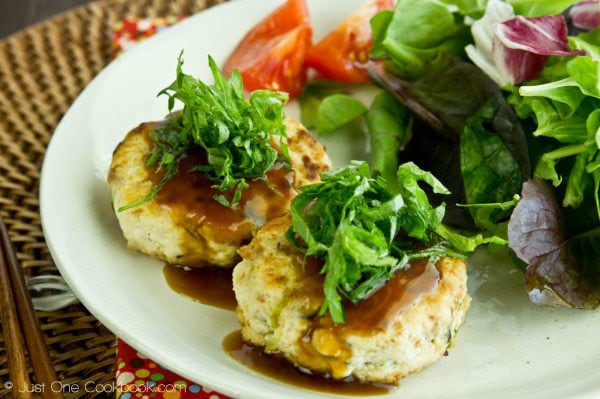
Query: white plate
<point>507,348</point>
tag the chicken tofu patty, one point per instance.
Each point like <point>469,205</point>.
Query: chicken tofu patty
<point>184,224</point>
<point>406,325</point>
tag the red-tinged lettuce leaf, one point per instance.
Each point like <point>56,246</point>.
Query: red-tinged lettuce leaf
<point>562,268</point>
<point>496,11</point>
<point>517,66</point>
<point>545,35</point>
<point>585,15</point>
<point>522,45</point>
<point>443,103</point>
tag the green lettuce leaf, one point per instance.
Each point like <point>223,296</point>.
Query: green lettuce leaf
<point>336,111</point>
<point>589,42</point>
<point>379,26</point>
<point>527,8</point>
<point>313,94</point>
<point>578,182</point>
<point>387,121</point>
<point>417,37</point>
<point>538,8</point>
<point>490,172</point>
<point>565,95</point>
<point>586,73</point>
<point>569,129</point>
<point>472,8</point>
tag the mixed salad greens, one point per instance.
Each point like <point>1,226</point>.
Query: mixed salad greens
<point>528,108</point>
<point>500,100</point>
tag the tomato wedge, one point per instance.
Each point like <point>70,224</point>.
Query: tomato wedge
<point>343,54</point>
<point>271,55</point>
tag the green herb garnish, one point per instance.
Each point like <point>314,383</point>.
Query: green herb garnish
<point>366,229</point>
<point>235,132</point>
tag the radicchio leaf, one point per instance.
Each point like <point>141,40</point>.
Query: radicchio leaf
<point>585,15</point>
<point>560,271</point>
<point>546,35</point>
<point>482,30</point>
<point>522,46</point>
<point>513,49</point>
<point>517,66</point>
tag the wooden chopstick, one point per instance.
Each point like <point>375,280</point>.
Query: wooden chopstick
<point>40,359</point>
<point>13,340</point>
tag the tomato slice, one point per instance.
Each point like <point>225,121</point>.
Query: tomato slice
<point>343,54</point>
<point>271,55</point>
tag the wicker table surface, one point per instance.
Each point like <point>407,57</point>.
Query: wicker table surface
<point>42,70</point>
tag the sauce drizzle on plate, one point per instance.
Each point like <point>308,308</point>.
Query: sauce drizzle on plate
<point>282,370</point>
<point>209,285</point>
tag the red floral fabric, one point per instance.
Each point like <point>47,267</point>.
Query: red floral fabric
<point>129,32</point>
<point>141,378</point>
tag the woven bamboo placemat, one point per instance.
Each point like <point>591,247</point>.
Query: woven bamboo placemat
<point>42,70</point>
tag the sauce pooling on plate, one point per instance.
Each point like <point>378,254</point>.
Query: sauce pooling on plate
<point>282,370</point>
<point>208,285</point>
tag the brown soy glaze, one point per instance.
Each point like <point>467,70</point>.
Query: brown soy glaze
<point>190,193</point>
<point>324,344</point>
<point>208,285</point>
<point>280,369</point>
<point>381,310</point>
